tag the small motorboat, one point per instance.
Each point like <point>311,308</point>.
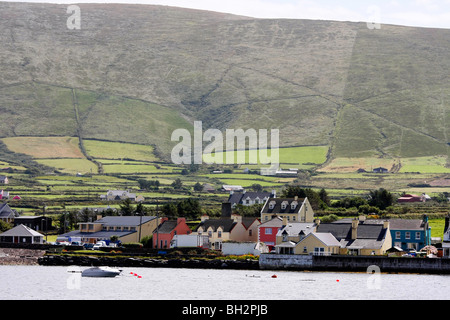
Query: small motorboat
<point>101,272</point>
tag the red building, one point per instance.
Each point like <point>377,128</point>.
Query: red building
<point>267,232</point>
<point>407,198</point>
<point>165,232</point>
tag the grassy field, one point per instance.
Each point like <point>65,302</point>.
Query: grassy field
<point>45,147</point>
<point>71,166</point>
<point>119,151</point>
<point>295,157</point>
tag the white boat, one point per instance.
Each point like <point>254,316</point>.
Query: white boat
<point>101,272</point>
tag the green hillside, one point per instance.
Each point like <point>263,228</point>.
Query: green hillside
<point>135,73</point>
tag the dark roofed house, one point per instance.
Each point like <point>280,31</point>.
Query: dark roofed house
<point>228,228</point>
<point>4,180</point>
<point>359,237</point>
<point>247,198</point>
<point>294,209</point>
<point>7,214</point>
<point>165,232</point>
<point>38,223</point>
<point>380,170</point>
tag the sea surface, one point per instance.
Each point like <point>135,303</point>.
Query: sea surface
<point>59,283</point>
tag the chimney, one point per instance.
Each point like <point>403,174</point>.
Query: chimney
<point>447,223</point>
<point>296,198</point>
<point>355,223</point>
<point>205,217</point>
<point>285,222</point>
<point>274,194</point>
<point>226,210</point>
<point>386,224</point>
<point>237,218</point>
<point>362,218</point>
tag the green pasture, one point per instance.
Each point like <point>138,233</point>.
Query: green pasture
<point>72,166</point>
<point>294,156</point>
<point>119,151</point>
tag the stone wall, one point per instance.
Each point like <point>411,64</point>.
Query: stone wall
<point>354,264</point>
<point>9,256</point>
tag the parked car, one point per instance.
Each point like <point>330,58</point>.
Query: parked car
<point>99,244</point>
<point>88,246</point>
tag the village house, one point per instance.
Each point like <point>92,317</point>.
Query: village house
<point>358,237</point>
<point>21,234</point>
<point>126,228</point>
<point>4,180</point>
<point>267,231</point>
<point>230,227</point>
<point>294,209</point>
<point>318,244</point>
<point>7,214</point>
<point>380,170</point>
<point>164,234</point>
<point>37,223</point>
<point>247,199</point>
<point>413,198</point>
<point>120,195</point>
<point>294,231</point>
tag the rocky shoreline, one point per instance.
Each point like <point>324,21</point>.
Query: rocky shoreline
<point>128,262</point>
<point>22,257</point>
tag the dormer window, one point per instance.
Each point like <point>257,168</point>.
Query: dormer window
<point>272,205</point>
<point>284,205</point>
<point>294,205</point>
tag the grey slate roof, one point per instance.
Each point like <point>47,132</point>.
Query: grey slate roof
<point>167,226</point>
<point>226,224</point>
<point>277,208</point>
<point>344,230</point>
<point>21,231</point>
<point>239,197</point>
<point>295,228</point>
<point>7,212</point>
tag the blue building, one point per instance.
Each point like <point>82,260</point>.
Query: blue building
<point>410,234</point>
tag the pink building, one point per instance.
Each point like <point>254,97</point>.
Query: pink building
<point>165,232</point>
<point>267,231</point>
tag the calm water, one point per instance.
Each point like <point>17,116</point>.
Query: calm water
<point>55,283</point>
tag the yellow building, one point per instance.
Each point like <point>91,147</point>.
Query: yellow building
<point>318,244</point>
<point>127,229</point>
<point>293,209</point>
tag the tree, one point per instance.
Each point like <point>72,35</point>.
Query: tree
<point>256,187</point>
<point>323,195</point>
<point>169,210</point>
<point>189,208</point>
<point>4,226</point>
<point>126,208</point>
<point>381,198</point>
<point>198,187</point>
<point>177,184</point>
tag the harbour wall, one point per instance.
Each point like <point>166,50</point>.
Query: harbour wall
<point>354,264</point>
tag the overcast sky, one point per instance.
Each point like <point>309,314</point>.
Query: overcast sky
<point>422,13</point>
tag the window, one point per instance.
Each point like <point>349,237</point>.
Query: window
<point>418,236</point>
<point>210,234</point>
<point>408,235</point>
<point>250,232</point>
<point>219,234</point>
<point>268,231</point>
<point>305,250</point>
<point>398,235</point>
